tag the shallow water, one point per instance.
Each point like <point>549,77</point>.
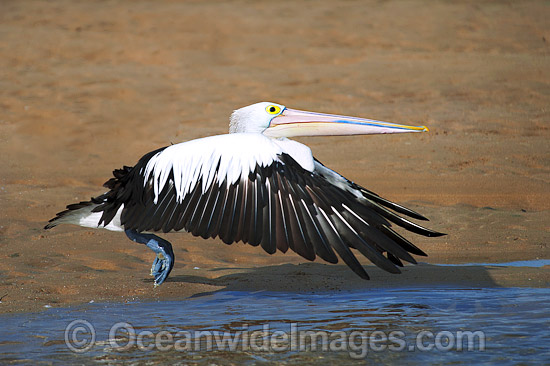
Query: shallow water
<point>405,325</point>
<point>535,263</point>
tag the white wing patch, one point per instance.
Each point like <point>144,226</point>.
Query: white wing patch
<point>232,155</point>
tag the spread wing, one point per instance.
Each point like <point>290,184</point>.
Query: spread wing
<point>277,205</point>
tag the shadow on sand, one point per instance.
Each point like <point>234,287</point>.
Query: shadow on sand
<point>316,277</point>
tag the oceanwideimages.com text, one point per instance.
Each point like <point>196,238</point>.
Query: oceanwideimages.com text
<point>80,337</point>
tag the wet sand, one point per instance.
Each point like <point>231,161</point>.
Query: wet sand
<point>86,87</point>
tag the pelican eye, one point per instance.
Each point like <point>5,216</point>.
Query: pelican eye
<point>273,109</point>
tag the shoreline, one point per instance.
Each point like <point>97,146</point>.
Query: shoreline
<point>186,284</point>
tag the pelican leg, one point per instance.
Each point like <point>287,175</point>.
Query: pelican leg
<point>164,261</point>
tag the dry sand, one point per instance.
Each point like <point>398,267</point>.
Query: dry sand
<point>86,87</point>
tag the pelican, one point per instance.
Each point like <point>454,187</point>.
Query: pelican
<point>256,186</point>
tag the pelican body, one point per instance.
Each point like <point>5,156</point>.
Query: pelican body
<point>256,186</point>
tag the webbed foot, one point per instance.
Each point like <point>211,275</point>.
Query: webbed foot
<point>164,260</point>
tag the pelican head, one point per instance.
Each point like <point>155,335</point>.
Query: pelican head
<point>275,120</point>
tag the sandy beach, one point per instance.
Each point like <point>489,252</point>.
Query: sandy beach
<point>87,87</point>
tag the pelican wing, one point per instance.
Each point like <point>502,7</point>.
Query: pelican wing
<point>277,204</point>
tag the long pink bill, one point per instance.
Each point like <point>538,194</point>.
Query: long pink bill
<point>292,123</point>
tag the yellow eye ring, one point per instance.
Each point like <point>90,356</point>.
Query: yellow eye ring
<point>273,109</point>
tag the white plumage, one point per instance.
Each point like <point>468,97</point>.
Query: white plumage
<point>230,156</point>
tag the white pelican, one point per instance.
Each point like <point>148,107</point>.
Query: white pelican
<point>256,186</point>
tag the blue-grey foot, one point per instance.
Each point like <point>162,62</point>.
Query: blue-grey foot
<point>164,260</point>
